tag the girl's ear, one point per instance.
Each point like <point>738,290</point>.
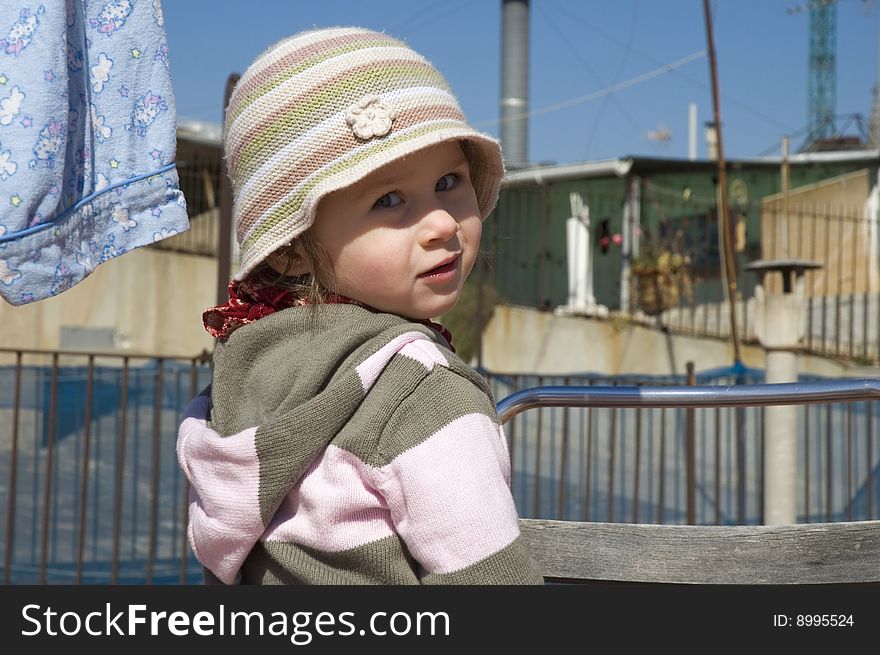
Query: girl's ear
<point>290,260</point>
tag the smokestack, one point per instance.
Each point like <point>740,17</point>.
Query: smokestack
<point>515,82</point>
<point>711,141</point>
<point>692,131</point>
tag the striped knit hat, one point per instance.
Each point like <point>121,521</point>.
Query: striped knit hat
<point>323,109</point>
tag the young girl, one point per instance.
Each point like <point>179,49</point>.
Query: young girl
<point>341,440</point>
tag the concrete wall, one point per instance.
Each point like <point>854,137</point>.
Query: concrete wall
<point>523,340</point>
<point>148,301</point>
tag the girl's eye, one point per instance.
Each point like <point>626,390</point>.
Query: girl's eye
<point>388,200</point>
<point>446,182</point>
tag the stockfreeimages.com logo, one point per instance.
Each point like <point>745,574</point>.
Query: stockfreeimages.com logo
<point>299,627</point>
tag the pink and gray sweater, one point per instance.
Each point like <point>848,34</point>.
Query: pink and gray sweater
<point>343,446</point>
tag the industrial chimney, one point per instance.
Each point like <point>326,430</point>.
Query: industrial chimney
<point>692,131</point>
<point>711,141</point>
<point>515,82</point>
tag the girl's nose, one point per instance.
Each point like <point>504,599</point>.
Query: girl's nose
<point>438,225</point>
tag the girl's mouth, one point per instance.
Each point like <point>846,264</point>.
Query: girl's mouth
<point>442,272</point>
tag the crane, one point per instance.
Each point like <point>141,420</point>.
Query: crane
<point>822,81</point>
<point>822,129</point>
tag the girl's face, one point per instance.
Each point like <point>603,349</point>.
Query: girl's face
<point>404,239</point>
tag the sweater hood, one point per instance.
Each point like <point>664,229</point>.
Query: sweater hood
<point>282,388</point>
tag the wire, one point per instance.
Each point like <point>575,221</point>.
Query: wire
<point>680,75</point>
<point>596,77</point>
<point>565,104</point>
<point>623,62</point>
<point>778,146</point>
<point>840,130</point>
<point>419,19</point>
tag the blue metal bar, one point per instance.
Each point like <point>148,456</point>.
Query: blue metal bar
<point>745,395</point>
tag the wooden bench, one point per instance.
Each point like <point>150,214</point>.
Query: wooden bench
<point>814,553</point>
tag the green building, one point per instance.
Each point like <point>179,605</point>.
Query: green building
<point>634,202</point>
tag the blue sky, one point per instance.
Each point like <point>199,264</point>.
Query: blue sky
<point>579,49</point>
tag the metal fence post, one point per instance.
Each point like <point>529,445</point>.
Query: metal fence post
<point>690,450</point>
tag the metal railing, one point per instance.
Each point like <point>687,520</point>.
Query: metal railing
<point>92,491</point>
<point>688,467</point>
<point>789,393</point>
<point>89,476</point>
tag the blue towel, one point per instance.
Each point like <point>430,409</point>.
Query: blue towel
<point>87,140</point>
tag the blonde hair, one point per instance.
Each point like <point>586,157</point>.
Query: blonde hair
<point>315,286</point>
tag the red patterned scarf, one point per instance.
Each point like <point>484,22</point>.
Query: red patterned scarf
<point>252,299</point>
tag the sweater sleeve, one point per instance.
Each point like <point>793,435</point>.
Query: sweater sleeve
<point>446,480</point>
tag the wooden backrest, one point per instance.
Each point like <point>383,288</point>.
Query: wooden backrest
<point>571,551</point>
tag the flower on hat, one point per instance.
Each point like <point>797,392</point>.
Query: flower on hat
<point>370,117</point>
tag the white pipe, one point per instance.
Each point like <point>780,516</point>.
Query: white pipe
<point>692,131</point>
